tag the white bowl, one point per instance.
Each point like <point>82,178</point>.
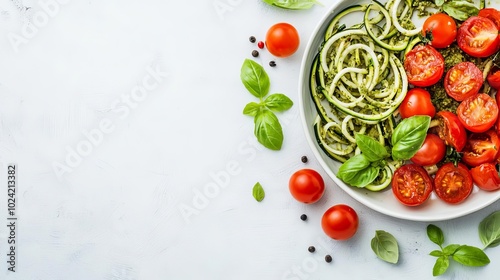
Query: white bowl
<point>384,202</point>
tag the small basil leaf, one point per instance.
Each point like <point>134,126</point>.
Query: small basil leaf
<point>409,136</point>
<point>278,102</point>
<point>357,171</point>
<point>489,230</point>
<point>251,109</point>
<point>385,246</point>
<point>450,249</point>
<point>435,234</point>
<point>268,130</point>
<point>258,192</point>
<point>436,253</point>
<point>292,4</point>
<point>255,78</point>
<point>371,148</point>
<point>470,256</point>
<point>441,265</point>
<point>460,10</point>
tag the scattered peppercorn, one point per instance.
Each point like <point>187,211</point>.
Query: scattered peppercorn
<point>311,249</point>
<point>260,44</point>
<point>272,63</point>
<point>303,159</point>
<point>303,217</point>
<point>252,39</point>
<point>328,258</point>
<point>255,53</point>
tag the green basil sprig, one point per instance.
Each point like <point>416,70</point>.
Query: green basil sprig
<point>463,254</point>
<point>460,9</point>
<point>258,192</point>
<point>489,230</point>
<point>293,4</point>
<point>409,136</point>
<point>385,246</point>
<point>268,129</point>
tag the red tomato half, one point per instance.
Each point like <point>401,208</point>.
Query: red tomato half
<point>282,39</point>
<point>485,176</point>
<point>431,152</point>
<point>493,79</point>
<point>478,37</point>
<point>463,80</point>
<point>478,113</point>
<point>481,148</point>
<point>424,66</point>
<point>411,185</point>
<point>340,222</point>
<point>306,185</point>
<point>417,102</point>
<point>451,130</point>
<point>453,184</point>
<point>441,28</point>
<point>492,14</point>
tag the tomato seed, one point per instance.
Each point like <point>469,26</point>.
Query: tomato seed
<point>311,249</point>
<point>255,53</point>
<point>260,44</point>
<point>252,39</point>
<point>272,63</point>
<point>303,217</point>
<point>328,258</point>
<point>303,159</point>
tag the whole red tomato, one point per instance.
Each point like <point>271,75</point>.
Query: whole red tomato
<point>431,152</point>
<point>306,185</point>
<point>282,39</point>
<point>441,28</point>
<point>340,222</point>
<point>417,102</point>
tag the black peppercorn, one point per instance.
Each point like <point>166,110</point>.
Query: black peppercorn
<point>303,217</point>
<point>255,53</point>
<point>252,39</point>
<point>328,258</point>
<point>272,63</point>
<point>311,249</point>
<point>303,159</point>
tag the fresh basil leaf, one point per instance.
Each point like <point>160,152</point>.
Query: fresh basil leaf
<point>371,148</point>
<point>357,171</point>
<point>441,265</point>
<point>292,4</point>
<point>489,230</point>
<point>437,253</point>
<point>278,102</point>
<point>258,192</point>
<point>251,109</point>
<point>385,246</point>
<point>435,234</point>
<point>470,256</point>
<point>439,3</point>
<point>255,78</point>
<point>409,136</point>
<point>450,249</point>
<point>268,130</point>
<point>460,10</point>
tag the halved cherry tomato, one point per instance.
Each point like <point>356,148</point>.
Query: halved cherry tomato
<point>441,28</point>
<point>481,148</point>
<point>417,102</point>
<point>478,37</point>
<point>478,113</point>
<point>451,130</point>
<point>493,79</point>
<point>282,39</point>
<point>431,152</point>
<point>453,184</point>
<point>485,176</point>
<point>411,185</point>
<point>463,80</point>
<point>424,66</point>
<point>492,14</point>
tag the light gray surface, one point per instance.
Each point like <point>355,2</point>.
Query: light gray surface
<point>118,211</point>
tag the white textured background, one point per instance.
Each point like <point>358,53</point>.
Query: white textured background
<point>117,215</point>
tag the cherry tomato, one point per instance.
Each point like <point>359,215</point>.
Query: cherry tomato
<point>497,125</point>
<point>478,37</point>
<point>424,66</point>
<point>463,80</point>
<point>441,28</point>
<point>431,152</point>
<point>411,185</point>
<point>451,130</point>
<point>340,222</point>
<point>493,78</point>
<point>417,102</point>
<point>282,39</point>
<point>306,185</point>
<point>492,14</point>
<point>481,148</point>
<point>478,113</point>
<point>453,184</point>
<point>485,176</point>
